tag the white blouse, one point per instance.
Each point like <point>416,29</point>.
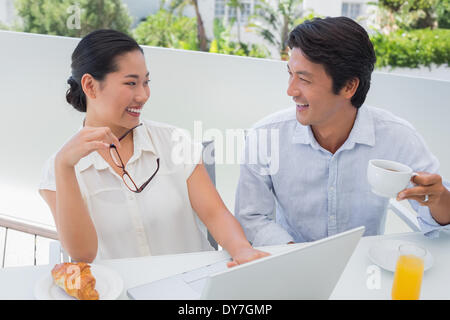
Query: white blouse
<point>160,219</point>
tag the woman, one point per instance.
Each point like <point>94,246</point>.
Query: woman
<point>114,188</point>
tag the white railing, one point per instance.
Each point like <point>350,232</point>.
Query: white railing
<point>34,229</point>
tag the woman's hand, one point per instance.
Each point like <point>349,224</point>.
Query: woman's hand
<point>247,255</point>
<point>83,143</point>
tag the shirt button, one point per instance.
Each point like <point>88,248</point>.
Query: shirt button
<point>331,188</point>
<point>130,197</point>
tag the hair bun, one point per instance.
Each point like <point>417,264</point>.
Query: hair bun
<point>75,96</point>
<point>72,81</point>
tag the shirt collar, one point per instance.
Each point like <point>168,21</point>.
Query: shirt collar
<point>304,135</point>
<point>142,142</point>
<point>363,131</point>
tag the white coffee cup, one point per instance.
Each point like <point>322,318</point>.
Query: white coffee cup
<point>387,178</point>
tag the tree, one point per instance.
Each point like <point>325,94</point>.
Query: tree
<point>201,33</point>
<point>238,6</point>
<point>412,14</point>
<point>72,19</point>
<point>222,43</point>
<point>164,29</point>
<point>274,22</point>
<point>443,14</point>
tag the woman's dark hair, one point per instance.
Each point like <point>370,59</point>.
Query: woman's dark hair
<point>342,46</point>
<point>96,54</point>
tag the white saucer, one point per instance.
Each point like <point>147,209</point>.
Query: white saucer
<point>108,284</point>
<point>384,254</point>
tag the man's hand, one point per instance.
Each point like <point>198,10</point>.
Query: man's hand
<point>429,191</point>
<point>427,184</point>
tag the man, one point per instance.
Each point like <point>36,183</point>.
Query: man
<point>319,187</point>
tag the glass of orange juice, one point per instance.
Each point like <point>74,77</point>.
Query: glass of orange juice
<point>408,272</point>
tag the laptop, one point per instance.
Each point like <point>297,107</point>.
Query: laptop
<point>306,272</point>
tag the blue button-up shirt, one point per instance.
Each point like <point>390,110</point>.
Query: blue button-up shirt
<point>292,189</point>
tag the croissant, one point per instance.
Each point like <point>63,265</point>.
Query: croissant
<point>76,279</point>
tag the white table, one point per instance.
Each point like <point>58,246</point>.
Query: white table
<point>435,283</point>
<point>18,282</point>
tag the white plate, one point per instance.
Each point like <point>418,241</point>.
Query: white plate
<point>109,285</point>
<point>384,254</point>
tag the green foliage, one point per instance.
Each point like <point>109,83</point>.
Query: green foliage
<point>3,26</point>
<point>222,43</point>
<point>180,5</point>
<point>60,17</point>
<point>443,14</point>
<point>412,14</point>
<point>274,21</point>
<point>412,49</point>
<point>311,15</point>
<point>392,5</point>
<point>395,5</point>
<point>165,29</point>
<point>237,5</point>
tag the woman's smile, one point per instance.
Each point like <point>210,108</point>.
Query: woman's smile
<point>134,111</point>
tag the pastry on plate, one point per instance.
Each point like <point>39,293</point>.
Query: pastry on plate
<point>76,279</point>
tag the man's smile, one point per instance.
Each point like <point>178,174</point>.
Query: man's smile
<point>302,107</point>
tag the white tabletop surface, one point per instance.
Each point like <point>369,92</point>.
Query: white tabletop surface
<point>18,282</point>
<point>435,283</point>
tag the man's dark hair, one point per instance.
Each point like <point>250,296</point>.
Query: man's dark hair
<point>342,46</point>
